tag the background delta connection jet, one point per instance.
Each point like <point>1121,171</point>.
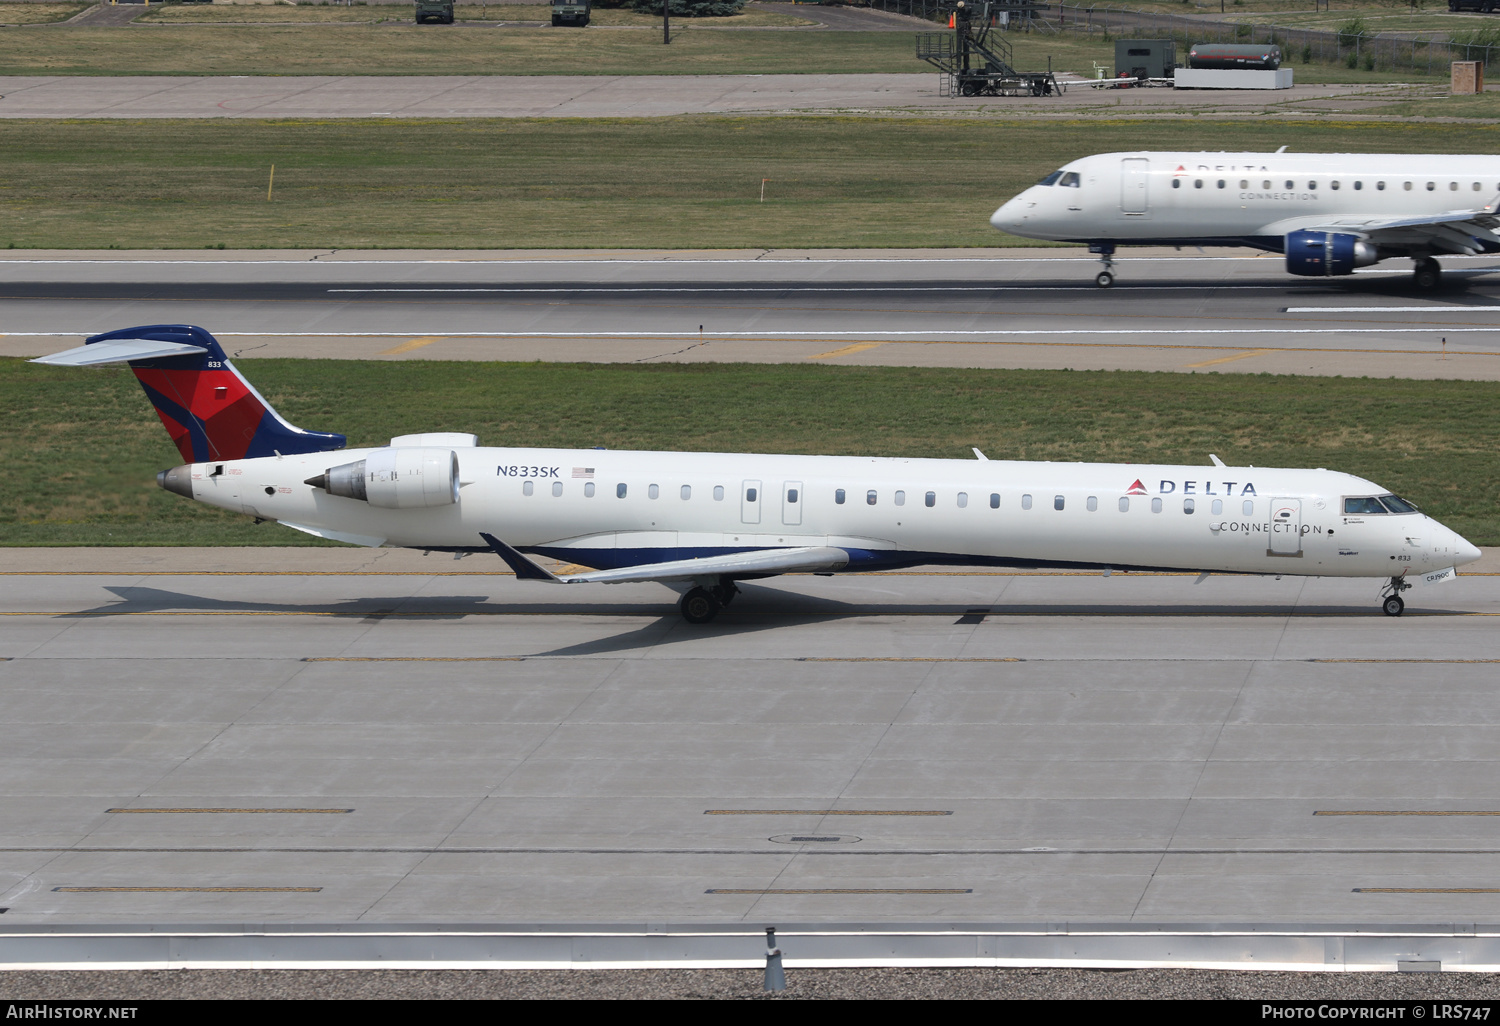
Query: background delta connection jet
<point>702,521</point>
<point>1328,212</point>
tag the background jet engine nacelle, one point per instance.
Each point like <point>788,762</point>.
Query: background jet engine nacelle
<point>398,478</point>
<point>1320,254</point>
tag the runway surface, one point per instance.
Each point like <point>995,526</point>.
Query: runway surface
<point>1171,310</point>
<point>344,735</point>
<point>597,96</point>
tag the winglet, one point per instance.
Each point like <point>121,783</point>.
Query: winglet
<point>979,455</point>
<point>1217,462</point>
<point>526,569</point>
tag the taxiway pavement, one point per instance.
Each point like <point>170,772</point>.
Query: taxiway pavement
<point>244,735</point>
<point>1179,311</point>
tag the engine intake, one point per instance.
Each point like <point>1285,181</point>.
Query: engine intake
<point>1322,254</point>
<point>404,478</point>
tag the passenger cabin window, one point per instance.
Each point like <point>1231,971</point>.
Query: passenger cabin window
<point>1156,505</point>
<point>963,500</point>
<point>652,491</point>
<point>556,487</point>
<point>1476,186</point>
<point>1406,186</point>
<point>1358,186</point>
<point>1244,183</point>
<point>838,496</point>
<point>1452,186</point>
<point>1249,508</point>
<point>1093,503</point>
<point>1221,183</point>
<point>1197,183</point>
<point>1026,502</point>
<point>718,493</point>
<point>1380,187</point>
<point>1266,184</point>
<point>791,495</point>
<point>900,498</point>
<point>619,491</point>
<point>751,493</point>
<point>1334,184</point>
<point>1188,505</point>
<point>870,497</point>
<point>930,499</point>
<point>1124,504</point>
<point>1177,183</point>
<point>1071,180</point>
<point>588,489</point>
<point>994,500</point>
<point>1312,185</point>
<point>527,487</point>
<point>1290,184</point>
<point>687,491</point>
<point>1218,507</point>
<point>1431,186</point>
<point>1057,502</point>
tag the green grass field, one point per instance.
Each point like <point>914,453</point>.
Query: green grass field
<point>253,14</point>
<point>84,446</point>
<point>690,183</point>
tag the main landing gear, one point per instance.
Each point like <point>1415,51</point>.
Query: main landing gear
<point>1106,250</point>
<point>1390,598</point>
<point>1426,275</point>
<point>701,605</point>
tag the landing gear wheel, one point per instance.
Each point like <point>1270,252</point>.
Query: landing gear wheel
<point>1104,279</point>
<point>1427,275</point>
<point>724,593</point>
<point>1393,606</point>
<point>699,606</point>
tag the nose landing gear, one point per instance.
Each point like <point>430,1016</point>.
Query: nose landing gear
<point>1390,597</point>
<point>1106,250</point>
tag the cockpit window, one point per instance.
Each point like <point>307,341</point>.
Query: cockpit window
<point>1051,179</point>
<point>1396,504</point>
<point>1362,505</point>
<point>1071,180</point>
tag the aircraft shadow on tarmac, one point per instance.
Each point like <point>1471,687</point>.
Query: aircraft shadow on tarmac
<point>756,609</point>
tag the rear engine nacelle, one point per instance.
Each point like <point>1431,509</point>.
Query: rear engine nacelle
<point>401,478</point>
<point>1320,254</point>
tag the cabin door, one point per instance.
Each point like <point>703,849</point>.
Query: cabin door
<point>750,502</point>
<point>1286,527</point>
<point>1135,174</point>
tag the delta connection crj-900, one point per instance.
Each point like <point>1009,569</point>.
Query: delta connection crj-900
<point>700,522</point>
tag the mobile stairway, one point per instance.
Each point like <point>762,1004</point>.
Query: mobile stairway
<point>976,61</point>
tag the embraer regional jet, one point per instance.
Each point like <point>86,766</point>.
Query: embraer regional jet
<point>702,521</point>
<point>1328,212</point>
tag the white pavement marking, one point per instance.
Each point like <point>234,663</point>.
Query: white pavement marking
<point>1391,309</point>
<point>314,333</point>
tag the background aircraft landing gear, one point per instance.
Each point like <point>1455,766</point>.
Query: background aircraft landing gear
<point>1390,599</point>
<point>1427,275</point>
<point>700,606</point>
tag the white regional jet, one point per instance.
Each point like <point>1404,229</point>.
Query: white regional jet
<point>1328,212</point>
<point>702,521</point>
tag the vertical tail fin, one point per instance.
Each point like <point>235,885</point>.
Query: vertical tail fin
<point>206,405</point>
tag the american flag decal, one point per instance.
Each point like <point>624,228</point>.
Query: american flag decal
<point>583,472</point>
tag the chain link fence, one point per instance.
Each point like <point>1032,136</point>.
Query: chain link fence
<point>1430,56</point>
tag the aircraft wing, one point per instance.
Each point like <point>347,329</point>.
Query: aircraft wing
<point>1453,231</point>
<point>760,562</point>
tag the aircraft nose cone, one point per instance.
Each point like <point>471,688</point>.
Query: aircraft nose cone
<point>1464,551</point>
<point>1004,217</point>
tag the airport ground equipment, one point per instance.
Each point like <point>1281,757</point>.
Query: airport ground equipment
<point>976,61</point>
<point>440,11</point>
<point>1485,6</point>
<point>1145,58</point>
<point>570,12</point>
<point>1234,56</point>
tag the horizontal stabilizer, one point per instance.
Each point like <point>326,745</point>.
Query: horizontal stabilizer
<point>526,569</point>
<point>118,350</point>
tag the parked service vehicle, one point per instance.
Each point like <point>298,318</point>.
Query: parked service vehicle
<point>570,12</point>
<point>1473,5</point>
<point>440,11</point>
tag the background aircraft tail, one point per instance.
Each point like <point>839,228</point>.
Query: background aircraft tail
<point>207,406</point>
